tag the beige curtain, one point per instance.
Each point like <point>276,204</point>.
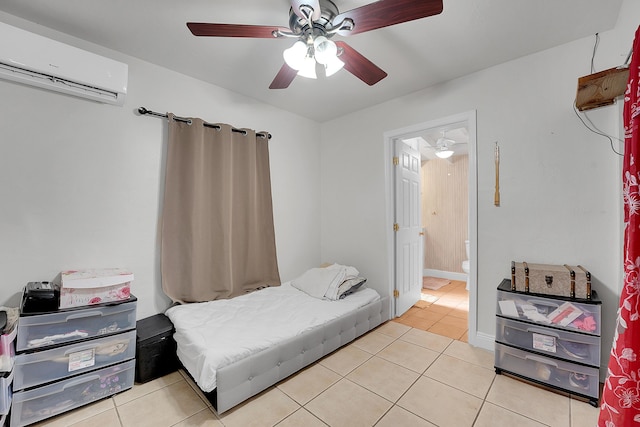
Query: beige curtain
<point>217,237</point>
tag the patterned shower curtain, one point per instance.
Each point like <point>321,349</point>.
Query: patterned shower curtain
<point>620,404</point>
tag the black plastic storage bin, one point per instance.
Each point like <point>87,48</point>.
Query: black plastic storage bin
<point>155,348</point>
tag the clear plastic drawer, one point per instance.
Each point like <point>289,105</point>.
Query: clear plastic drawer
<point>568,376</point>
<point>5,393</point>
<point>32,369</point>
<point>30,406</point>
<point>7,350</point>
<point>555,342</point>
<point>44,330</point>
<point>558,313</point>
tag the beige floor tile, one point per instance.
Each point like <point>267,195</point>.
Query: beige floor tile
<point>460,312</point>
<point>140,390</point>
<point>204,418</point>
<point>384,378</point>
<point>373,342</point>
<point>307,384</point>
<point>427,339</point>
<point>266,409</point>
<point>528,400</point>
<point>393,329</point>
<point>198,390</point>
<point>438,308</point>
<point>349,405</point>
<point>495,416</point>
<point>447,330</point>
<point>345,360</point>
<point>470,378</point>
<point>441,404</point>
<point>409,355</point>
<point>418,323</point>
<point>422,304</point>
<point>429,314</point>
<point>457,322</point>
<point>477,356</point>
<point>164,407</point>
<point>79,414</point>
<point>301,418</point>
<point>398,417</point>
<point>583,414</point>
<point>105,419</point>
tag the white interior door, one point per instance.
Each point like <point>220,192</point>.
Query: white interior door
<point>408,228</point>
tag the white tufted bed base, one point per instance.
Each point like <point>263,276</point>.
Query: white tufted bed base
<point>249,376</point>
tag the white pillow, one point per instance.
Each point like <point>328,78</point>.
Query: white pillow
<point>317,281</point>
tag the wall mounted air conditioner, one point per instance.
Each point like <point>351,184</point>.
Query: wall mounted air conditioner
<point>38,61</point>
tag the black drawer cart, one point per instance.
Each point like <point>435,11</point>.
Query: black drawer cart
<point>550,340</point>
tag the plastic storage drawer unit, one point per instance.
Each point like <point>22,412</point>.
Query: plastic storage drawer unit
<point>7,350</point>
<point>155,348</point>
<point>30,406</point>
<point>578,379</point>
<point>32,369</point>
<point>557,313</point>
<point>566,345</point>
<point>5,393</point>
<point>64,326</point>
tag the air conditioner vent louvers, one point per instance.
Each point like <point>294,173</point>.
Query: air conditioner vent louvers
<point>34,60</point>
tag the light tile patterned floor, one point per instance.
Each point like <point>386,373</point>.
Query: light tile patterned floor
<point>393,376</point>
<point>447,316</point>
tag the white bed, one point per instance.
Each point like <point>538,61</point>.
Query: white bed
<point>238,347</point>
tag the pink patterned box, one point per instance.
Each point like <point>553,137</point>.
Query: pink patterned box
<point>94,286</point>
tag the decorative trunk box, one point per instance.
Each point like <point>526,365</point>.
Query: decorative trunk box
<point>559,280</point>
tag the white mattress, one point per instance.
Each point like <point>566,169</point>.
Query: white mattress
<point>214,334</point>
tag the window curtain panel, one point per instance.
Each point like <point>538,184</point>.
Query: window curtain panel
<point>217,233</point>
<point>620,404</point>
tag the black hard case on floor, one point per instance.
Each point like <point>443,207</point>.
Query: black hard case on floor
<point>155,348</point>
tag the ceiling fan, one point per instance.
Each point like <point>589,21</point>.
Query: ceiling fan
<point>443,147</point>
<point>313,23</point>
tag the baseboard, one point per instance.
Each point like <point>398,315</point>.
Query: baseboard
<point>483,340</point>
<point>451,275</point>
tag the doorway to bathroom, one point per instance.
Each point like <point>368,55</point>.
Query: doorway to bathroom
<point>449,218</point>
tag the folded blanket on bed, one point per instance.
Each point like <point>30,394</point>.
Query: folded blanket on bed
<point>325,282</point>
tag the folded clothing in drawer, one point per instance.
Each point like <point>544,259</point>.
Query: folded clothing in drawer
<point>65,326</point>
<point>566,345</point>
<point>32,369</point>
<point>30,406</point>
<point>578,379</point>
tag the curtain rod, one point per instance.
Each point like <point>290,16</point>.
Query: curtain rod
<point>143,111</point>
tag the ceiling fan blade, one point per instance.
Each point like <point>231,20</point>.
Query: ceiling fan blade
<point>314,4</point>
<point>284,78</point>
<point>384,13</point>
<point>233,30</point>
<point>360,66</point>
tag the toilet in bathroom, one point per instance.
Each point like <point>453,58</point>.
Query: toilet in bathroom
<point>465,263</point>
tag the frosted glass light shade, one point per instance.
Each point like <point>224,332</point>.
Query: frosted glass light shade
<point>295,55</point>
<point>308,68</point>
<point>333,66</point>
<point>325,50</point>
<point>444,154</point>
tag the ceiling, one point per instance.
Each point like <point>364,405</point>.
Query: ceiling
<point>469,35</point>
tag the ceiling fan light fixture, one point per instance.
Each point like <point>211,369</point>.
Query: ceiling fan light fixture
<point>308,68</point>
<point>333,66</point>
<point>295,56</point>
<point>444,153</point>
<point>325,50</point>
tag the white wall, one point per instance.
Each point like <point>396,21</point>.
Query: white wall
<point>81,182</point>
<point>560,183</point>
